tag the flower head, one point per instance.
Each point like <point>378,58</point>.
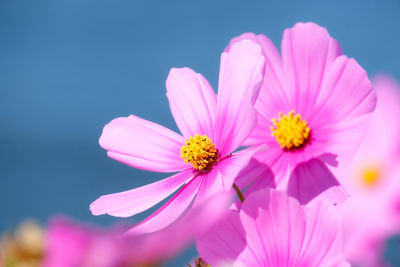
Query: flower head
<point>212,128</point>
<point>372,213</point>
<point>313,109</point>
<point>272,229</point>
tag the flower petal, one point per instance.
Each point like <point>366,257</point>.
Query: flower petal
<point>272,98</point>
<point>131,202</point>
<point>343,109</point>
<point>224,242</point>
<point>241,74</point>
<point>275,228</point>
<point>313,178</point>
<point>193,102</point>
<point>233,165</point>
<point>143,144</point>
<point>322,244</point>
<point>346,93</point>
<point>307,52</point>
<point>255,174</point>
<point>170,211</point>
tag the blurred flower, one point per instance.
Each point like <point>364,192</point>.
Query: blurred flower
<point>213,128</point>
<point>272,229</point>
<point>24,248</point>
<point>70,244</point>
<point>372,213</point>
<point>314,107</point>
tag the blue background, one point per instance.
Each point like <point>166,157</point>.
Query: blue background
<point>68,67</point>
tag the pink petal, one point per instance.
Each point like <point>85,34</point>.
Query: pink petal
<point>255,176</point>
<point>224,242</point>
<point>222,176</point>
<point>128,203</point>
<point>343,109</point>
<point>322,244</point>
<point>261,134</point>
<point>244,36</point>
<point>193,102</point>
<point>311,179</point>
<point>275,228</point>
<point>273,96</point>
<point>170,211</point>
<point>233,165</point>
<point>255,172</point>
<point>211,184</point>
<point>307,53</point>
<point>143,144</point>
<point>346,93</point>
<point>241,74</point>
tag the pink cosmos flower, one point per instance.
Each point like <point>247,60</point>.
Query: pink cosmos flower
<point>372,213</point>
<point>313,110</point>
<point>272,229</point>
<point>212,128</point>
<point>69,244</point>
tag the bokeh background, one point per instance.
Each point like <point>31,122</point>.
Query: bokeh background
<point>68,67</point>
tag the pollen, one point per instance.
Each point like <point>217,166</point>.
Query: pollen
<point>290,131</point>
<point>370,176</point>
<point>200,152</point>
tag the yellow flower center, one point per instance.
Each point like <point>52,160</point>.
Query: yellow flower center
<point>370,176</point>
<point>290,130</point>
<point>200,152</point>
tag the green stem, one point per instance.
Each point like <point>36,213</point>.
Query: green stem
<point>238,192</point>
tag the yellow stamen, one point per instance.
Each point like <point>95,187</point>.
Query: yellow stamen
<point>200,152</point>
<point>370,176</point>
<point>290,130</point>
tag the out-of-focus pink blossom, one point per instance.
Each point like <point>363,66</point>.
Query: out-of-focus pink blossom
<point>212,128</point>
<point>313,109</point>
<point>69,244</point>
<point>372,213</point>
<point>272,229</point>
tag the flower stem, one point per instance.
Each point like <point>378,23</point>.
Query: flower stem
<point>238,192</point>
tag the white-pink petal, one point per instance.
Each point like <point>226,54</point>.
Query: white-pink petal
<point>275,227</point>
<point>170,211</point>
<point>143,144</point>
<point>192,101</point>
<point>345,93</point>
<point>323,244</point>
<point>224,242</point>
<point>131,202</point>
<point>240,77</point>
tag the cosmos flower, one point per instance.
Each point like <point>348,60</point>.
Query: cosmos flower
<point>313,109</point>
<point>372,212</point>
<point>272,229</point>
<point>212,128</point>
<point>70,244</point>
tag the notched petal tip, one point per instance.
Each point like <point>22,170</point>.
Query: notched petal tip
<point>245,46</point>
<point>95,207</point>
<point>308,26</point>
